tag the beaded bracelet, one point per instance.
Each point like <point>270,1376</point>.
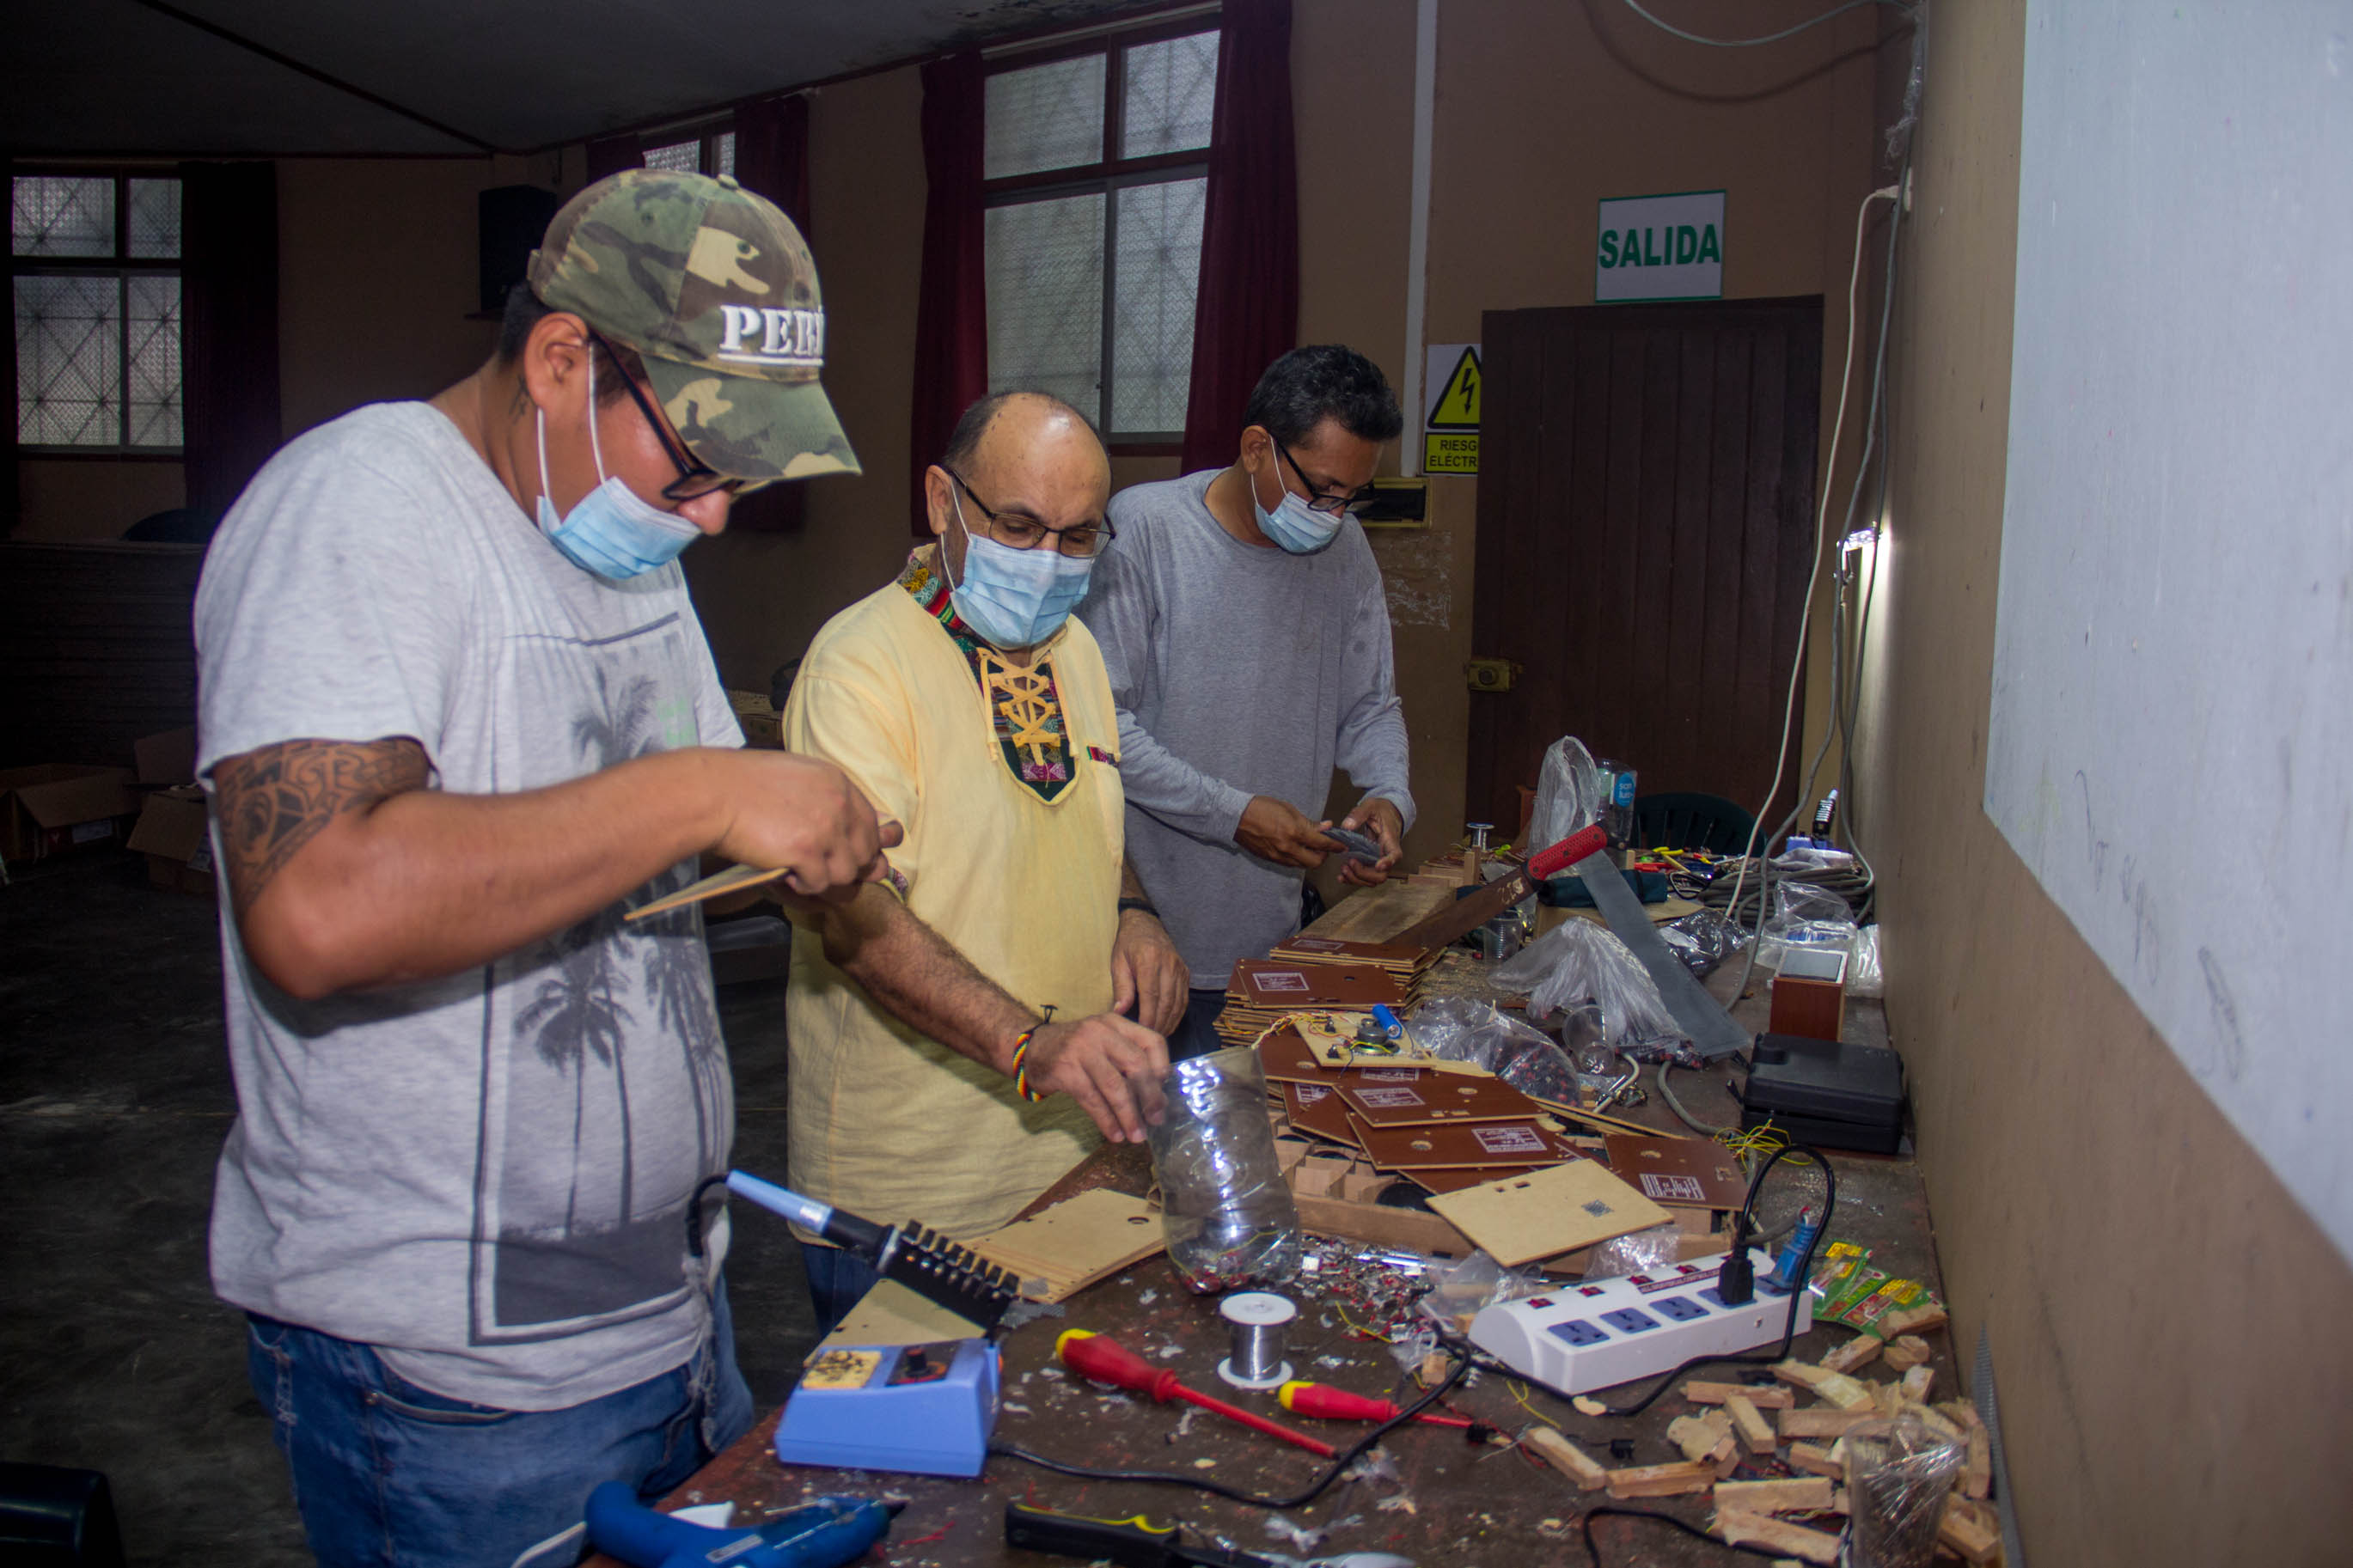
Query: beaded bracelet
<point>1020,1053</point>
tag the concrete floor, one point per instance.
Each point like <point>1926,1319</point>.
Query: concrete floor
<point>115,1096</point>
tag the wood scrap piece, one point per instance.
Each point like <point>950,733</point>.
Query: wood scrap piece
<point>1736,1529</point>
<point>1699,1437</point>
<point>1815,1460</point>
<point>1916,1383</point>
<point>1759,1397</point>
<point>1805,1494</point>
<point>1755,1432</point>
<point>1910,1321</point>
<point>1661,1481</point>
<point>1967,1534</point>
<point>1565,1457</point>
<point>1905,1352</point>
<point>1888,1399</point>
<point>1961,1413</point>
<point>1857,1351</point>
<point>1077,1242</point>
<point>1976,1472</point>
<point>1831,1423</point>
<point>1834,1386</point>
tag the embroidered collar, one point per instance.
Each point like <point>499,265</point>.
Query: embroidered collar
<point>1025,703</point>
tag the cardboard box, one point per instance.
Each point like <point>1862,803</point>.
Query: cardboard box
<point>172,832</point>
<point>1810,995</point>
<point>55,806</point>
<point>169,758</point>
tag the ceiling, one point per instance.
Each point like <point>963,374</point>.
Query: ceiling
<point>126,77</point>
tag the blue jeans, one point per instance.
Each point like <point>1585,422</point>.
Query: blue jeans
<point>1195,1035</point>
<point>386,1473</point>
<point>837,1281</point>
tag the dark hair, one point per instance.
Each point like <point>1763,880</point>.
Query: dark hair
<point>964,441</point>
<point>1323,381</point>
<point>526,309</point>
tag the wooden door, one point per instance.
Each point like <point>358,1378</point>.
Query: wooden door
<point>1646,495</point>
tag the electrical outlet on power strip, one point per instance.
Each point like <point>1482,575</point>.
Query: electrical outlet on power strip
<point>1604,1332</point>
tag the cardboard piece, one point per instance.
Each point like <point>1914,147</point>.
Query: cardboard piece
<point>1697,1172</point>
<point>1409,1096</point>
<point>54,806</point>
<point>172,834</point>
<point>1550,1211</point>
<point>1075,1243</point>
<point>169,758</point>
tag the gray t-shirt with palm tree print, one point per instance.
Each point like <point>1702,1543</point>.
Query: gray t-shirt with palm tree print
<point>485,1176</point>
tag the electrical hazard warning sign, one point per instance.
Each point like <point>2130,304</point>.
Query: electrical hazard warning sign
<point>1449,440</point>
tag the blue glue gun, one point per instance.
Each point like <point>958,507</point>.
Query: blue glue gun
<point>823,1534</point>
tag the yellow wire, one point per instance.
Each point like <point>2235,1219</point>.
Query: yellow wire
<point>1355,1328</point>
<point>1520,1393</point>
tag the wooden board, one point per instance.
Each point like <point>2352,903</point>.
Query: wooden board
<point>1409,1096</point>
<point>1076,1242</point>
<point>1377,913</point>
<point>1500,1146</point>
<point>1546,1212</point>
<point>1695,1172</point>
<point>1267,984</point>
<point>1318,1109</point>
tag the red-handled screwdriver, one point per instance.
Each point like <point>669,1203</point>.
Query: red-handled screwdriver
<point>1101,1360</point>
<point>1304,1398</point>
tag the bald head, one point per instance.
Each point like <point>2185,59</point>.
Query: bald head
<point>1021,455</point>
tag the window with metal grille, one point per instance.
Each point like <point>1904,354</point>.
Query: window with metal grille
<point>94,263</point>
<point>687,151</point>
<point>1097,177</point>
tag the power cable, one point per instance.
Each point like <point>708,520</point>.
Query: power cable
<point>1769,37</point>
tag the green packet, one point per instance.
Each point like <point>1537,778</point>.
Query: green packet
<point>1852,1292</point>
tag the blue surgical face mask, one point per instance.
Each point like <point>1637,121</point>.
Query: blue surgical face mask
<point>1293,525</point>
<point>1015,598</point>
<point>612,531</point>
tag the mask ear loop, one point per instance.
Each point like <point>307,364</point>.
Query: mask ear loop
<point>596,447</point>
<point>946,570</point>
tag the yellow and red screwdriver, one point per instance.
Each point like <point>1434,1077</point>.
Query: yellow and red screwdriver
<point>1101,1360</point>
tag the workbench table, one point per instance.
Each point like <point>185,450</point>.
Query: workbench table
<point>1449,1499</point>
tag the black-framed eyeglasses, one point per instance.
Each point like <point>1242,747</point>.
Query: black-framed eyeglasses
<point>1081,539</point>
<point>1354,501</point>
<point>695,479</point>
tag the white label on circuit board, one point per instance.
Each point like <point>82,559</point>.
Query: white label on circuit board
<point>1509,1141</point>
<point>1388,1099</point>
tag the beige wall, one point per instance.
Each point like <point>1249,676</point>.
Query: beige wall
<point>2167,1327</point>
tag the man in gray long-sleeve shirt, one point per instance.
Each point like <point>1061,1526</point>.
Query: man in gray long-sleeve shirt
<point>1242,617</point>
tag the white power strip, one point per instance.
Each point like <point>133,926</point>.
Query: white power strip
<point>1608,1331</point>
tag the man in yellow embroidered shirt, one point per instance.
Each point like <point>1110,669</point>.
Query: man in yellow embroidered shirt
<point>955,1053</point>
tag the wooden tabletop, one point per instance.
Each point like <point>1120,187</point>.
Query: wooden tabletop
<point>1479,1504</point>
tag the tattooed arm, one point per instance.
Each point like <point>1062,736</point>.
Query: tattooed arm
<point>346,872</point>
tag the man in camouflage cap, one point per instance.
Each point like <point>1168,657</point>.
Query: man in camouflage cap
<point>457,719</point>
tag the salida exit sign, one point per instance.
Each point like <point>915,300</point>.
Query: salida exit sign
<point>1661,247</point>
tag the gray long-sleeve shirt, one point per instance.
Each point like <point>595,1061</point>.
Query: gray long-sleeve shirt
<point>1239,671</point>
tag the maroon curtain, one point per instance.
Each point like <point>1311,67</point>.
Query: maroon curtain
<point>611,154</point>
<point>952,304</point>
<point>772,161</point>
<point>228,323</point>
<point>1246,314</point>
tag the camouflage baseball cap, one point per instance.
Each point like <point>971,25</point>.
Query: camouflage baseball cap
<point>714,289</point>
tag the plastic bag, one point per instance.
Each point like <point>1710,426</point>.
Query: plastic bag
<point>1460,1029</point>
<point>1863,975</point>
<point>1475,1284</point>
<point>1227,1215</point>
<point>1580,961</point>
<point>1895,1493</point>
<point>1569,794</point>
<point>1638,1252</point>
<point>1702,939</point>
<point>1806,918</point>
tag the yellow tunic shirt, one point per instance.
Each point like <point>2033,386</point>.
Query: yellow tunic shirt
<point>884,1122</point>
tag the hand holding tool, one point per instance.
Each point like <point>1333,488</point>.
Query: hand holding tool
<point>1139,1543</point>
<point>1101,1360</point>
<point>823,1534</point>
<point>1302,1397</point>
